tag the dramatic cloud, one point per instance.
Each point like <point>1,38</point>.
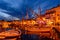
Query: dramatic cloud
<point>14,3</point>
<point>46,5</point>
<point>14,8</point>
<point>3,14</point>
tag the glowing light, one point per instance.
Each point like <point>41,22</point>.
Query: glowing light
<point>44,19</point>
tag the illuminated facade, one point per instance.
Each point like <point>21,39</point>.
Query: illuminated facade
<point>42,25</point>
